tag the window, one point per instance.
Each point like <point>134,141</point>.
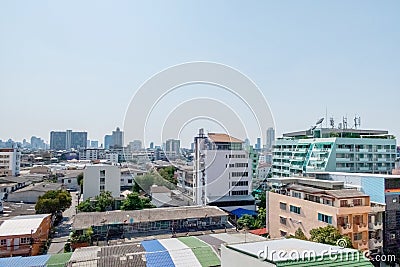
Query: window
<point>25,240</point>
<point>295,209</point>
<point>102,180</point>
<point>296,194</point>
<point>282,206</point>
<point>392,236</point>
<point>102,173</point>
<point>357,236</point>
<point>324,218</point>
<point>283,233</point>
<point>102,188</point>
<point>357,202</point>
<point>240,183</point>
<point>240,174</point>
<point>240,193</point>
<point>238,165</point>
<point>69,181</point>
<point>3,242</point>
<point>343,203</point>
<point>282,220</point>
<point>394,200</point>
<point>129,181</point>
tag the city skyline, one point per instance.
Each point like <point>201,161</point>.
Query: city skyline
<point>306,58</point>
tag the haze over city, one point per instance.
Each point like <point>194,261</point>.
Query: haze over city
<point>77,66</point>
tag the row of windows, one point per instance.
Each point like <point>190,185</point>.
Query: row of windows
<point>240,193</point>
<point>240,183</point>
<point>23,241</point>
<point>235,156</point>
<point>295,209</point>
<point>4,156</point>
<point>239,174</point>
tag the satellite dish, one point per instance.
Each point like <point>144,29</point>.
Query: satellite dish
<point>320,121</point>
<point>313,128</point>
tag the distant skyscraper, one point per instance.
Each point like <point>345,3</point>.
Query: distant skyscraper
<point>108,141</point>
<point>172,148</point>
<point>94,144</point>
<point>258,144</point>
<point>270,138</point>
<point>151,145</point>
<point>118,138</point>
<point>136,145</point>
<point>67,140</point>
<point>37,143</point>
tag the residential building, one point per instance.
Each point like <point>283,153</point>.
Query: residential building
<point>37,143</point>
<point>135,145</point>
<point>222,172</point>
<point>67,140</point>
<point>311,203</point>
<point>346,150</point>
<point>289,252</point>
<point>24,235</point>
<point>10,161</point>
<point>94,144</point>
<point>383,190</point>
<point>99,178</point>
<point>91,154</point>
<point>270,139</point>
<point>32,192</point>
<point>127,177</point>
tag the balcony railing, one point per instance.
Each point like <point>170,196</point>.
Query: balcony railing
<point>345,229</point>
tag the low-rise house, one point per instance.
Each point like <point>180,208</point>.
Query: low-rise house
<point>32,192</point>
<point>24,235</point>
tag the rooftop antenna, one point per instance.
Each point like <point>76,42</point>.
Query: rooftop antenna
<point>344,123</point>
<point>357,121</point>
<point>332,122</point>
<point>319,122</point>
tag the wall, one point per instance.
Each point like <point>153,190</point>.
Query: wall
<point>91,180</point>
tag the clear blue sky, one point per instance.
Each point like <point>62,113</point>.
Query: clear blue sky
<point>76,64</point>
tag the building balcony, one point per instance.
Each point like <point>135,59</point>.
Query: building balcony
<point>384,169</point>
<point>360,227</point>
<point>343,169</point>
<point>342,159</point>
<point>375,226</point>
<point>365,169</point>
<point>342,150</point>
<point>361,245</point>
<point>364,150</point>
<point>345,229</point>
<point>375,243</point>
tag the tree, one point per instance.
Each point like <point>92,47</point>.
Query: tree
<point>168,173</point>
<point>149,179</point>
<point>86,206</point>
<point>53,201</point>
<point>102,202</point>
<point>80,180</point>
<point>246,222</point>
<point>299,234</point>
<point>263,200</point>
<point>328,235</point>
<point>134,202</point>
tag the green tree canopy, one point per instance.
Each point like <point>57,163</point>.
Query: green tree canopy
<point>153,178</point>
<point>53,201</point>
<point>328,235</point>
<point>135,202</point>
<point>102,202</point>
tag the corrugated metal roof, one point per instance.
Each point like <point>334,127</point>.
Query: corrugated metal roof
<point>156,254</point>
<point>181,254</point>
<point>33,261</point>
<point>21,225</point>
<point>58,260</point>
<point>203,251</point>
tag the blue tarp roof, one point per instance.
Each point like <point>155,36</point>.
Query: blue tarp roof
<point>240,212</point>
<point>157,254</point>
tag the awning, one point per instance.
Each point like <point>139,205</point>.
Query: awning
<point>240,212</point>
<point>261,231</point>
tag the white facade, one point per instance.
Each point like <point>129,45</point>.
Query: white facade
<point>270,139</point>
<point>99,178</point>
<point>112,157</point>
<point>10,160</point>
<point>91,154</point>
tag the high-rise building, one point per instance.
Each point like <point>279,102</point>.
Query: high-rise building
<point>343,150</point>
<point>151,145</point>
<point>117,138</point>
<point>258,144</point>
<point>10,161</point>
<point>67,140</point>
<point>135,145</point>
<point>37,143</point>
<point>222,172</point>
<point>172,149</point>
<point>108,142</point>
<point>270,139</point>
<point>94,144</point>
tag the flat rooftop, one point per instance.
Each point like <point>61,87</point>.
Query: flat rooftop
<point>21,225</point>
<point>223,138</point>
<point>84,220</point>
<point>334,130</point>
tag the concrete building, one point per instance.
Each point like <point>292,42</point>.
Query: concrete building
<point>32,192</point>
<point>270,139</point>
<point>117,138</point>
<point>91,154</point>
<point>222,169</point>
<point>289,252</point>
<point>346,150</point>
<point>108,141</point>
<point>384,190</point>
<point>10,161</point>
<point>100,178</point>
<point>24,235</point>
<point>135,145</point>
<point>310,203</point>
<point>37,143</point>
<point>67,140</point>
<point>172,149</point>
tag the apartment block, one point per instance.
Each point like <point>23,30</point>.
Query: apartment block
<point>60,140</point>
<point>222,172</point>
<point>99,178</point>
<point>349,150</point>
<point>10,161</point>
<point>308,203</point>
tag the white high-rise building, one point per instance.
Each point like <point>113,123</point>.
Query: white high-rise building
<point>135,145</point>
<point>172,148</point>
<point>10,161</point>
<point>222,172</point>
<point>100,178</point>
<point>270,139</point>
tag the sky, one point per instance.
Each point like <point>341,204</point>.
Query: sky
<point>77,64</point>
